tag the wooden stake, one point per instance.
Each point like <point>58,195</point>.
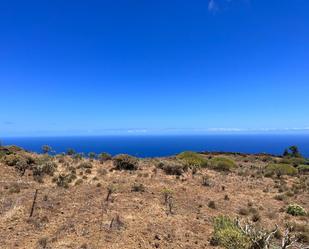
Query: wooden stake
<point>33,203</point>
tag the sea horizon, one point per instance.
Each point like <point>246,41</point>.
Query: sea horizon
<point>157,145</point>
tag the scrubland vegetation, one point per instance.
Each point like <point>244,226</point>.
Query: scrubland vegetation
<point>191,200</point>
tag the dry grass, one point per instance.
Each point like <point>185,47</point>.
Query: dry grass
<point>135,214</point>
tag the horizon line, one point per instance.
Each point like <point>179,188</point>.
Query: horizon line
<point>167,131</point>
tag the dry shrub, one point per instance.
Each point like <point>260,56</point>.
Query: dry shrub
<point>172,168</point>
<point>85,165</point>
<point>14,188</point>
<point>138,187</point>
<point>63,180</point>
<point>125,162</point>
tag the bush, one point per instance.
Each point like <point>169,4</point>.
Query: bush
<point>228,235</point>
<point>212,204</point>
<point>243,211</point>
<point>125,162</point>
<point>78,182</point>
<point>12,159</point>
<point>280,197</point>
<point>104,157</point>
<point>48,168</point>
<point>4,151</point>
<point>167,194</point>
<point>222,164</point>
<point>19,162</point>
<point>63,180</point>
<point>296,210</point>
<point>78,156</point>
<point>92,155</point>
<point>192,159</point>
<point>280,169</point>
<point>295,161</point>
<point>303,169</point>
<point>138,187</point>
<point>206,181</point>
<point>70,152</point>
<point>46,149</point>
<point>173,168</point>
<point>256,217</point>
<point>302,232</point>
<point>14,148</point>
<point>85,165</point>
<point>14,188</point>
<point>40,170</point>
<point>292,151</point>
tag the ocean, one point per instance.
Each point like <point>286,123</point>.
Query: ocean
<point>156,146</point>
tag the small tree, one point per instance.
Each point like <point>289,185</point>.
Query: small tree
<point>104,157</point>
<point>286,153</point>
<point>295,152</point>
<point>46,149</point>
<point>78,156</point>
<point>70,152</point>
<point>92,155</point>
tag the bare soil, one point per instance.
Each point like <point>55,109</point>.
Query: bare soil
<point>80,216</point>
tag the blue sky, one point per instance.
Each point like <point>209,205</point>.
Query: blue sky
<point>136,67</point>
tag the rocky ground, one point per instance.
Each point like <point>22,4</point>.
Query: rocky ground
<point>162,203</point>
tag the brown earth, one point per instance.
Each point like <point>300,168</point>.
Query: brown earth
<point>80,217</point>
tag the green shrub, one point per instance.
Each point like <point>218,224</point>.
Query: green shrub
<point>192,159</point>
<point>46,149</point>
<point>295,161</point>
<point>296,210</point>
<point>228,235</point>
<point>4,151</point>
<point>104,157</point>
<point>92,155</point>
<point>70,152</point>
<point>78,156</point>
<point>19,162</point>
<point>125,162</point>
<point>12,159</point>
<point>303,169</point>
<point>280,169</point>
<point>14,148</point>
<point>222,164</point>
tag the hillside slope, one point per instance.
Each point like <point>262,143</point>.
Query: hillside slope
<point>164,203</point>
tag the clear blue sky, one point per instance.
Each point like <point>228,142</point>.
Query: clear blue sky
<point>97,67</point>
